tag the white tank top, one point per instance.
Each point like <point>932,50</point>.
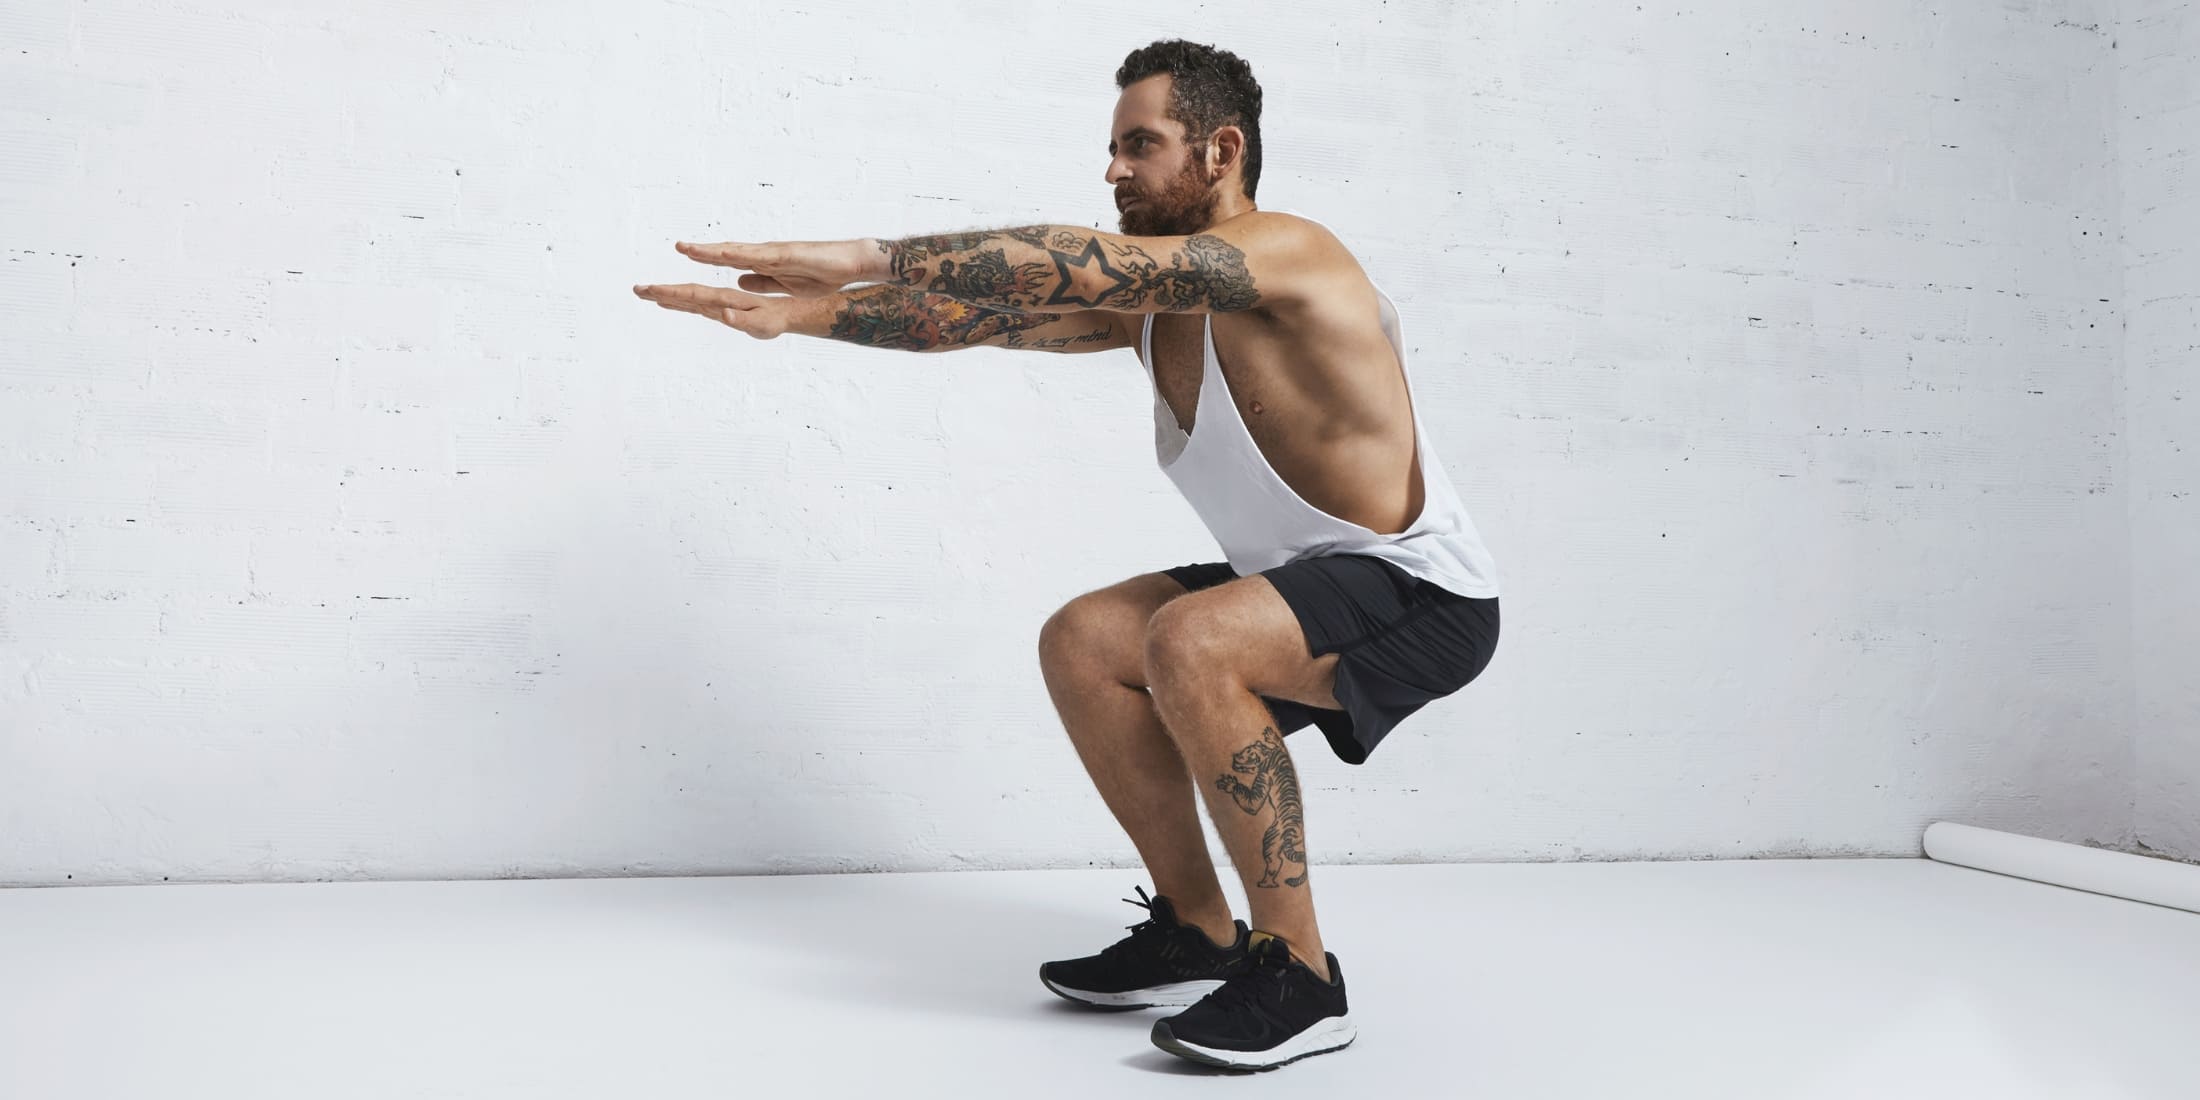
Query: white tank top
<point>1261,522</point>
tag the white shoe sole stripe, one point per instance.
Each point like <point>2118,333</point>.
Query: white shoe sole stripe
<point>1160,996</point>
<point>1319,1038</point>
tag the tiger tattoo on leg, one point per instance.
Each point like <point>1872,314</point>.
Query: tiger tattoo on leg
<point>1274,783</point>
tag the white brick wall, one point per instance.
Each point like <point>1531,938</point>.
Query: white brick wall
<point>357,522</point>
<point>2158,138</point>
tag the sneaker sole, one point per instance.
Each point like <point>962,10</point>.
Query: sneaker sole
<point>1334,1033</point>
<point>1174,995</point>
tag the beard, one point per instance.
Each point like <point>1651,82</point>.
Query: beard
<point>1184,205</point>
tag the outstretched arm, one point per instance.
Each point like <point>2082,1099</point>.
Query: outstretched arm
<point>1052,267</point>
<point>911,320</point>
<point>1256,261</point>
<point>894,317</point>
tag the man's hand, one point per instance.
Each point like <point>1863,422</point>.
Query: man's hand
<point>756,314</point>
<point>804,269</point>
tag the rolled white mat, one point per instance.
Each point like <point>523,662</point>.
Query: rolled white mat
<point>2117,874</point>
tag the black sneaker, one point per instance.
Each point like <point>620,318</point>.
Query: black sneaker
<point>1162,963</point>
<point>1273,1013</point>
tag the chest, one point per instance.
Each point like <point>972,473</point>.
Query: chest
<point>1329,411</point>
<point>1179,372</point>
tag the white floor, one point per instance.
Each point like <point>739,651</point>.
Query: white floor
<point>1769,980</point>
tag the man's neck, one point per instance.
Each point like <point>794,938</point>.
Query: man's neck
<point>1228,208</point>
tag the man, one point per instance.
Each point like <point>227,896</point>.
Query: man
<point>1356,588</point>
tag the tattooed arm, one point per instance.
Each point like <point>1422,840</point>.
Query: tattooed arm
<point>893,317</point>
<point>1256,261</point>
<point>889,316</point>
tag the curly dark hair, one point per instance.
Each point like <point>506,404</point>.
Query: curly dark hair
<point>1209,89</point>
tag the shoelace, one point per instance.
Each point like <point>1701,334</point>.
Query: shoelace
<point>1145,902</point>
<point>1259,984</point>
<point>1141,931</point>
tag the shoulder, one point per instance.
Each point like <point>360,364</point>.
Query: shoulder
<point>1292,259</point>
<point>1270,229</point>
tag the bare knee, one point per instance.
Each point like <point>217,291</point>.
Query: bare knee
<point>1102,634</point>
<point>1091,636</point>
<point>1178,639</point>
<point>1063,635</point>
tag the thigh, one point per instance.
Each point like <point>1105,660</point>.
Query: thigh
<point>1246,628</point>
<point>1311,611</point>
<point>1106,628</point>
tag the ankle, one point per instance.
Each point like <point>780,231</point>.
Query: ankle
<point>1320,967</point>
<point>1316,963</point>
<point>1312,957</point>
<point>1220,929</point>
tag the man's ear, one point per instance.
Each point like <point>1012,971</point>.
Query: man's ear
<point>1225,150</point>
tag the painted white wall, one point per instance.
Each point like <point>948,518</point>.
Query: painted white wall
<point>2158,137</point>
<point>356,522</point>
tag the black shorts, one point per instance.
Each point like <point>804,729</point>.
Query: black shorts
<point>1401,641</point>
